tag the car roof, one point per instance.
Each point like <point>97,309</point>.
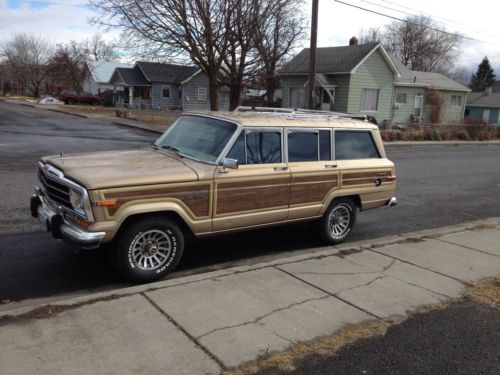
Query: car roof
<point>290,119</point>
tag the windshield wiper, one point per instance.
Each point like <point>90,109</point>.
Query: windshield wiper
<point>173,149</point>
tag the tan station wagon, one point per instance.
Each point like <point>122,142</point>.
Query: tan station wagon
<point>213,173</point>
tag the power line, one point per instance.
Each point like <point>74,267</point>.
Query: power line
<point>409,22</point>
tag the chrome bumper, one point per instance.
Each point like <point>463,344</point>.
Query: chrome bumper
<point>392,202</point>
<point>54,222</point>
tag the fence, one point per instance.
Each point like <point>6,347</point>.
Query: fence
<point>143,111</point>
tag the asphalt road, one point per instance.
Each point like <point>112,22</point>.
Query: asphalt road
<point>437,186</point>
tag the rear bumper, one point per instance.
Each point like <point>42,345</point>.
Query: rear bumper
<point>54,222</point>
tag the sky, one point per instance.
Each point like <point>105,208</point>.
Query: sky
<point>64,20</point>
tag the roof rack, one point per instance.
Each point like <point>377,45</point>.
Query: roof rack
<point>295,113</point>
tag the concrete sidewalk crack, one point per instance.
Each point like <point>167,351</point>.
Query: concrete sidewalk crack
<point>361,285</point>
<point>259,319</point>
<point>329,293</point>
<point>183,330</point>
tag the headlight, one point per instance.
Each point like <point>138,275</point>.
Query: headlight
<point>76,200</point>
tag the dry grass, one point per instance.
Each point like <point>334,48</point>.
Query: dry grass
<point>86,109</point>
<point>487,292</point>
<point>471,132</point>
<point>322,346</point>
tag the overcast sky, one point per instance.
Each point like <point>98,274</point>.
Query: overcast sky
<point>64,20</point>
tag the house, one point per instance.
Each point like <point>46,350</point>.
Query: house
<point>98,75</point>
<point>366,79</point>
<point>483,107</point>
<point>166,86</point>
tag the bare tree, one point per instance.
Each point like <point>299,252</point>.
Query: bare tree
<point>67,65</point>
<point>169,28</point>
<point>97,49</point>
<point>283,27</point>
<point>372,35</point>
<point>421,44</point>
<point>27,56</point>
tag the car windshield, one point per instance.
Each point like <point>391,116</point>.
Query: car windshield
<point>197,137</point>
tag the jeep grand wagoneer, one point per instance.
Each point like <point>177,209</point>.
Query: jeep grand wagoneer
<point>212,173</point>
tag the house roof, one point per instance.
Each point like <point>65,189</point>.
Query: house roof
<point>424,79</point>
<point>483,99</point>
<point>333,60</point>
<point>103,70</point>
<point>129,77</point>
<point>165,73</point>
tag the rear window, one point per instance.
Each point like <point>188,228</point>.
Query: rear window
<point>354,145</point>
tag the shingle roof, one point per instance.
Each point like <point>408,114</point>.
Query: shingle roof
<point>129,77</point>
<point>329,59</point>
<point>103,70</point>
<point>483,99</point>
<point>427,79</point>
<point>166,73</point>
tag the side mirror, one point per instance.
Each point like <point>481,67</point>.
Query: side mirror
<point>230,163</point>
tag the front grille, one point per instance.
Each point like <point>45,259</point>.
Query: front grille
<point>55,189</point>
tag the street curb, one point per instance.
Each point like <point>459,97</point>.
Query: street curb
<point>145,127</point>
<point>321,252</point>
<point>64,112</point>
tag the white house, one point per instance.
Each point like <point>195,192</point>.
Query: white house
<point>100,73</point>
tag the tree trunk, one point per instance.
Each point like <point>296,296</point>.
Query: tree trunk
<point>213,89</point>
<point>270,89</point>
<point>234,94</point>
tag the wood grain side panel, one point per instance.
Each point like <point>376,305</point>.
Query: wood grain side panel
<point>233,197</point>
<point>364,178</point>
<point>196,198</point>
<point>311,189</point>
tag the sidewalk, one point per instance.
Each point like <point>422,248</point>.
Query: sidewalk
<point>204,323</point>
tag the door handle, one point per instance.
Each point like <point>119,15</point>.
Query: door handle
<point>331,166</point>
<point>281,168</point>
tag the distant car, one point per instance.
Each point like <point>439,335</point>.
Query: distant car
<point>72,97</point>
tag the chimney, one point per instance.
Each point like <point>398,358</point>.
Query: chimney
<point>487,91</point>
<point>353,41</point>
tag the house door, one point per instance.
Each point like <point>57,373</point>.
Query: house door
<point>417,109</point>
<point>297,97</point>
<point>486,115</point>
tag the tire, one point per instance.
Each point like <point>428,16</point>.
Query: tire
<point>93,102</point>
<point>149,249</point>
<point>338,220</point>
<point>70,101</point>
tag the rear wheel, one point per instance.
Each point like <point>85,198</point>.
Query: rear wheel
<point>149,249</point>
<point>70,101</point>
<point>93,102</point>
<point>338,220</point>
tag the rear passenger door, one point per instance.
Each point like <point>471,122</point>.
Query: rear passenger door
<point>258,191</point>
<point>313,173</point>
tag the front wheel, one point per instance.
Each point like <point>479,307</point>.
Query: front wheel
<point>338,220</point>
<point>149,249</point>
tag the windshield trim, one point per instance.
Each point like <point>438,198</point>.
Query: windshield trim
<point>225,149</point>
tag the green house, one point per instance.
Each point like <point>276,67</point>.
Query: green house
<point>366,79</point>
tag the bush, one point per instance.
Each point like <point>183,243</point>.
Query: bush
<point>469,132</point>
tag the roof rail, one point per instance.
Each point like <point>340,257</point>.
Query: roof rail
<point>295,113</point>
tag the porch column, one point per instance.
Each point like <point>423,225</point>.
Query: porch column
<point>131,95</point>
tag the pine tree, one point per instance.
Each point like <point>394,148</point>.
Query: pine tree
<point>484,76</point>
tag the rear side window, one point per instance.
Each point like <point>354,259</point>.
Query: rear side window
<point>354,145</point>
<point>302,146</point>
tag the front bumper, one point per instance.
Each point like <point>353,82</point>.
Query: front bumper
<point>52,221</point>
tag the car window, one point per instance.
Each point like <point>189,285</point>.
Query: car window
<point>354,145</point>
<point>238,150</point>
<point>263,147</point>
<point>303,146</point>
<point>325,145</point>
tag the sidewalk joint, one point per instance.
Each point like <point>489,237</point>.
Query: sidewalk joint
<point>329,293</point>
<point>183,330</point>
<point>468,248</point>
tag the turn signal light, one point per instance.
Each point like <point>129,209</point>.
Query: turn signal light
<point>107,202</point>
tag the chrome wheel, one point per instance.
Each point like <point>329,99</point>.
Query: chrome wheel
<point>339,221</point>
<point>152,249</point>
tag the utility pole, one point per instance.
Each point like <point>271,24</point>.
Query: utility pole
<point>312,55</point>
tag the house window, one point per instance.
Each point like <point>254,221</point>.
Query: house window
<point>202,93</point>
<point>456,101</point>
<point>401,97</point>
<point>165,92</point>
<point>369,99</point>
<point>180,93</point>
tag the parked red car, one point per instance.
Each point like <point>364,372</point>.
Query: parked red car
<point>72,97</point>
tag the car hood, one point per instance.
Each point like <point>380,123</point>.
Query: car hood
<point>99,170</point>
